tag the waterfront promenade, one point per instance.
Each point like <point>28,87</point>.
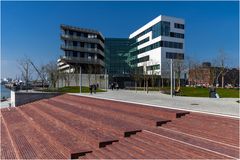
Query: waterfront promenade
<point>221,106</point>
<point>72,127</point>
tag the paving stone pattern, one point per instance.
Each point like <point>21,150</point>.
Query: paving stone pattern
<point>77,127</point>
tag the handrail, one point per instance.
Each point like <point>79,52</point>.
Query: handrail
<point>93,40</point>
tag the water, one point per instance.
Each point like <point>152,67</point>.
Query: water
<point>5,92</point>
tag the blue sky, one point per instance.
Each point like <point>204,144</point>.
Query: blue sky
<point>33,28</point>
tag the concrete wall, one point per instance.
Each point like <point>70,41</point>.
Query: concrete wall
<point>86,80</point>
<point>20,98</point>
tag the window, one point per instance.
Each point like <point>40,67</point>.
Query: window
<point>74,54</point>
<point>171,55</point>
<point>70,32</point>
<point>153,67</point>
<point>139,60</point>
<point>179,26</point>
<point>177,35</point>
<point>157,45</point>
<point>92,45</point>
<point>78,34</point>
<point>82,55</point>
<point>75,43</point>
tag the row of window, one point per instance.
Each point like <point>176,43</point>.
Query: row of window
<point>160,28</point>
<point>153,67</point>
<point>179,26</point>
<point>176,35</point>
<point>158,44</point>
<point>82,34</point>
<point>140,42</point>
<point>139,60</point>
<point>82,55</point>
<point>172,55</point>
<point>83,45</point>
<point>79,34</point>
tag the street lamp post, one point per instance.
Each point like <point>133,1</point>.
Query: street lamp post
<point>174,81</point>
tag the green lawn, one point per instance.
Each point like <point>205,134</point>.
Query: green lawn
<point>72,89</point>
<point>199,92</point>
<point>204,92</point>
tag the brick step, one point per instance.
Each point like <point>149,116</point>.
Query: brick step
<point>204,143</point>
<point>7,149</point>
<point>219,123</point>
<point>111,152</point>
<point>206,126</point>
<point>29,142</point>
<point>228,121</point>
<point>131,108</point>
<point>94,137</point>
<point>151,119</point>
<point>64,140</point>
<point>105,122</point>
<point>100,154</point>
<point>135,152</point>
<point>164,151</point>
<point>186,150</point>
<point>228,139</point>
<point>154,121</point>
<point>149,151</point>
<point>124,152</point>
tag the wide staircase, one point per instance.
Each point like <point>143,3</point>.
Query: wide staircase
<point>75,127</point>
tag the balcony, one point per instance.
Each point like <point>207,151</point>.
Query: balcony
<point>82,60</point>
<point>82,49</point>
<point>82,39</point>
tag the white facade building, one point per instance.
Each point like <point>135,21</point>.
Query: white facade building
<point>156,42</point>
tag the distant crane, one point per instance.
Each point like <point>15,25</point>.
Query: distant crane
<point>40,75</point>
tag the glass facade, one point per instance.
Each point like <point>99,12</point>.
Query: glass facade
<point>166,44</point>
<point>161,28</point>
<point>116,56</point>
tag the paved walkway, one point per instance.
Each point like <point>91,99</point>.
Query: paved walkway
<point>221,106</point>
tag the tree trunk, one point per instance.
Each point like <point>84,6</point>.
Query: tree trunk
<point>222,81</point>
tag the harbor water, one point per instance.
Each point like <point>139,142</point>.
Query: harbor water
<point>5,92</point>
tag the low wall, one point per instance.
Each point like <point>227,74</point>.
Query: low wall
<point>87,79</point>
<point>20,98</point>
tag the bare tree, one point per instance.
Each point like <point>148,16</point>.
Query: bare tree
<point>219,67</point>
<point>75,74</point>
<point>90,71</point>
<point>26,70</point>
<point>43,74</point>
<point>52,73</point>
<point>223,68</point>
<point>145,76</point>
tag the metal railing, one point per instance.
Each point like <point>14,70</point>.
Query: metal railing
<point>82,49</point>
<point>84,39</point>
<point>83,60</point>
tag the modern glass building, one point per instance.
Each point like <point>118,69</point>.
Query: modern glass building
<point>154,44</point>
<point>82,47</point>
<point>116,59</point>
<point>147,51</point>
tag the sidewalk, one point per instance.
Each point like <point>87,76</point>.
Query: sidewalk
<point>221,106</point>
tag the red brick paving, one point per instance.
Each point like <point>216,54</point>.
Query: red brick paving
<point>79,127</point>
